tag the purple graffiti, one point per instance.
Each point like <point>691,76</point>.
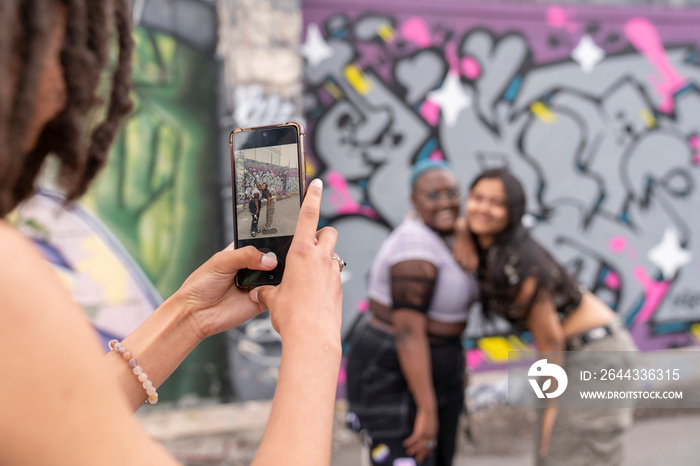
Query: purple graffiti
<point>562,97</point>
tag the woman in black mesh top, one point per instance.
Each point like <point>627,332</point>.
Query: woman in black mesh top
<point>406,364</point>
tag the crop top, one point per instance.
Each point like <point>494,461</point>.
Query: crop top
<point>566,292</point>
<point>451,292</point>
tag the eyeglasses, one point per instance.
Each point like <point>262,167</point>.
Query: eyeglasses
<point>435,196</point>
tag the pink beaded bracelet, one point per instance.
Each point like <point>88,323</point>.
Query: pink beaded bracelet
<point>115,345</point>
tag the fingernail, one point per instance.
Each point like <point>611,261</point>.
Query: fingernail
<point>268,261</point>
<point>253,295</point>
<point>317,183</point>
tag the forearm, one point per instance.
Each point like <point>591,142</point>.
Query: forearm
<point>159,345</point>
<point>413,350</point>
<point>552,349</point>
<point>300,428</point>
<point>551,346</point>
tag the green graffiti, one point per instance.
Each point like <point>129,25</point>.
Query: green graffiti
<point>156,192</point>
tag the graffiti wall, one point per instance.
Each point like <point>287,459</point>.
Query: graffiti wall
<point>280,180</point>
<point>597,111</point>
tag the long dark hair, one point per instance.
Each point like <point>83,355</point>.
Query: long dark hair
<point>514,257</point>
<point>84,54</point>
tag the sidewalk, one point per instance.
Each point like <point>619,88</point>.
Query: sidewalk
<point>228,435</point>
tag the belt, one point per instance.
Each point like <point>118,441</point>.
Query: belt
<point>578,341</point>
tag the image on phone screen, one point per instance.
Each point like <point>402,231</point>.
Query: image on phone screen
<point>268,178</point>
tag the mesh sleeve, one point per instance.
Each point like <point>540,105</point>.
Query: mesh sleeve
<point>412,285</point>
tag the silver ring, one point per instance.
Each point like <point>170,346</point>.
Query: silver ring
<point>430,444</point>
<point>341,262</point>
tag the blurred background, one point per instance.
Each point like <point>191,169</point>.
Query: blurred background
<point>594,105</point>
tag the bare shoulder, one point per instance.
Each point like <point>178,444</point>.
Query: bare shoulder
<point>57,374</point>
<point>21,261</point>
<point>23,269</point>
<point>11,240</point>
<point>29,287</point>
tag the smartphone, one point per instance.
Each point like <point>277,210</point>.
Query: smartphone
<point>268,170</point>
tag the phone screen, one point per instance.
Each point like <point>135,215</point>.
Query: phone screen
<point>268,189</point>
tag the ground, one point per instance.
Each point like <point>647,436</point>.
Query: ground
<point>228,435</point>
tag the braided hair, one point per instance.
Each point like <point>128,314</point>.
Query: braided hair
<point>24,38</point>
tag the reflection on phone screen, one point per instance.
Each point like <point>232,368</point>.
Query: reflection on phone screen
<point>267,191</point>
<point>267,200</point>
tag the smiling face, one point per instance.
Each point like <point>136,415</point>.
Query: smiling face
<point>436,199</point>
<point>487,209</point>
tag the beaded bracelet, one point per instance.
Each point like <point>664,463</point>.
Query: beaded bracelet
<point>115,345</point>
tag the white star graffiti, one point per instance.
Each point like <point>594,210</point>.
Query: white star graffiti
<point>668,255</point>
<point>451,98</point>
<point>587,54</point>
<point>315,49</point>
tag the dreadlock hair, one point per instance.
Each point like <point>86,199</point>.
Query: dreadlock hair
<point>514,257</point>
<point>24,28</point>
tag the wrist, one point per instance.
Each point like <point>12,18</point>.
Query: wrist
<point>182,319</point>
<point>330,345</point>
<point>313,336</point>
<point>427,405</point>
<point>318,356</point>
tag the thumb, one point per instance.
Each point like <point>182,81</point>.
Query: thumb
<point>260,296</point>
<point>230,261</point>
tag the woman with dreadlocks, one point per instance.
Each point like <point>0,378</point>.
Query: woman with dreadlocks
<point>62,400</point>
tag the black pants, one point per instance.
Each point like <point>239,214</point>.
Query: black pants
<point>379,399</point>
<point>254,223</point>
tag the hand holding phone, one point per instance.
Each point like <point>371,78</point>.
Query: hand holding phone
<point>309,300</point>
<point>269,179</point>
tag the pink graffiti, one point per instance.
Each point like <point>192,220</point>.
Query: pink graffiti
<point>643,35</point>
<point>471,68</point>
<point>342,374</point>
<point>560,18</point>
<point>342,200</point>
<point>415,30</point>
<point>451,57</point>
<point>654,292</point>
<point>694,142</point>
<point>430,111</point>
<point>474,358</point>
<point>436,155</point>
<point>363,306</point>
<point>617,244</point>
<point>612,281</point>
